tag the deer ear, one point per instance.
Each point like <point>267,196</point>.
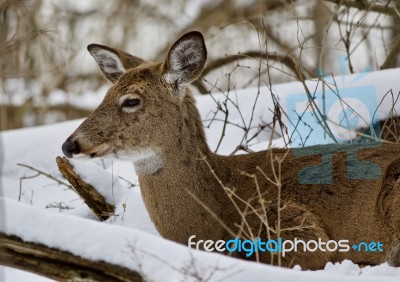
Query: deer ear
<point>185,60</point>
<point>113,62</point>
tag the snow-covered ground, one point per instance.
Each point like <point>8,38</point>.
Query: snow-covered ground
<point>41,210</point>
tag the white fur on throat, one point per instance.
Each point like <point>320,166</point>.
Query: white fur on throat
<point>145,161</point>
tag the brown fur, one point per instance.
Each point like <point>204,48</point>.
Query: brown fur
<point>189,174</point>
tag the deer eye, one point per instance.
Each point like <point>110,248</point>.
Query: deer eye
<point>130,103</point>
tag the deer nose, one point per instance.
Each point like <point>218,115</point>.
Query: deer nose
<point>70,147</point>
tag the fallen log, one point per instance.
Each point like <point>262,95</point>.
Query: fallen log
<point>57,264</point>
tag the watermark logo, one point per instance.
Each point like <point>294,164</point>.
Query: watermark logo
<point>335,114</point>
<point>368,247</point>
<point>249,247</point>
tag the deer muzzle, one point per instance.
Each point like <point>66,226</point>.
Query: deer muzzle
<point>70,148</point>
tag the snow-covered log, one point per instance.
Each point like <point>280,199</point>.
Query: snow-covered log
<point>57,264</point>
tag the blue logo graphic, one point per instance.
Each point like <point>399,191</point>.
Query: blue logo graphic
<point>336,115</point>
<point>368,247</point>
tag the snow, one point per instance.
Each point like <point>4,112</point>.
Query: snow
<point>130,248</point>
<point>15,275</point>
<point>38,209</point>
<point>385,90</point>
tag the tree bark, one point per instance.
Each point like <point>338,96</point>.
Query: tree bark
<point>57,264</point>
<point>95,201</point>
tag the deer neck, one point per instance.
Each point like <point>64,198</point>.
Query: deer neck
<point>181,148</point>
<point>173,193</point>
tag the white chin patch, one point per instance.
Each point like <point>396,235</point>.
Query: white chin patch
<point>146,161</point>
<point>80,156</point>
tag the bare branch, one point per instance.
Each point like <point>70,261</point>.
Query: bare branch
<point>285,60</point>
<point>95,201</point>
<point>40,172</point>
<point>364,5</point>
<point>394,53</point>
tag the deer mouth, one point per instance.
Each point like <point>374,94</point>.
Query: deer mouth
<point>102,150</point>
<point>74,149</point>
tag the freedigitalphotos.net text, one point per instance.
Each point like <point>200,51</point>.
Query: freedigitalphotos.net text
<point>249,247</point>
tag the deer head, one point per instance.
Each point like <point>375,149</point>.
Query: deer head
<point>141,112</point>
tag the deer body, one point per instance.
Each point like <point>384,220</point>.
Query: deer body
<point>149,117</point>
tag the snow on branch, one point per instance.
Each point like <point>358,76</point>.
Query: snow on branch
<point>57,264</point>
<point>95,201</point>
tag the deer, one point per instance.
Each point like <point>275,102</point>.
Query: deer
<point>149,117</point>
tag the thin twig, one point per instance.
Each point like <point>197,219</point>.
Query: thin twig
<point>40,172</point>
<point>364,5</point>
